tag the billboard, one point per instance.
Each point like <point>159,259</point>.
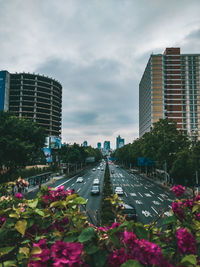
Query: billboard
<point>47,153</point>
<point>53,142</point>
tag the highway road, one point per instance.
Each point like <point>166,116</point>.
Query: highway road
<point>148,198</point>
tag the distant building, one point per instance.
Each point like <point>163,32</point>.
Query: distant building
<point>170,88</point>
<point>85,143</point>
<point>119,142</point>
<point>106,145</point>
<point>33,96</point>
<point>99,145</point>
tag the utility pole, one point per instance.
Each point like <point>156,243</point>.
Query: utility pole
<point>197,182</point>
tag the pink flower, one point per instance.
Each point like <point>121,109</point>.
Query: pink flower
<point>118,257</point>
<point>66,254</point>
<point>186,242</point>
<point>178,190</point>
<point>44,255</point>
<point>129,239</point>
<point>197,198</point>
<point>177,210</point>
<point>19,195</point>
<point>188,203</point>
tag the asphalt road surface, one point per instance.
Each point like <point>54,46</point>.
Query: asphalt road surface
<point>148,198</point>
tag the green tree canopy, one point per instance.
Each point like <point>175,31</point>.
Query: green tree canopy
<point>20,140</point>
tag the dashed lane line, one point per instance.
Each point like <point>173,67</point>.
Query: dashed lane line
<point>140,194</point>
<point>161,199</point>
<point>154,210</point>
<point>65,182</point>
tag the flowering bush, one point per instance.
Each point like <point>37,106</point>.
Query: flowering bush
<point>178,190</point>
<point>50,230</point>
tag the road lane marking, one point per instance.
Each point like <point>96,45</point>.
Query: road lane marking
<point>168,214</point>
<point>145,187</point>
<point>72,184</point>
<point>169,206</point>
<point>146,213</point>
<point>125,194</point>
<point>85,183</point>
<point>154,210</point>
<point>161,199</point>
<point>139,202</point>
<point>64,182</point>
<point>140,194</point>
<point>156,202</point>
<point>147,195</point>
<point>133,194</point>
<point>78,190</point>
<point>152,192</point>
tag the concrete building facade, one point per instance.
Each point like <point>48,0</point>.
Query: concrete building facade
<point>170,88</point>
<point>33,96</point>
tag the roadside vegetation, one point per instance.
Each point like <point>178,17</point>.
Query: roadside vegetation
<point>169,149</point>
<point>50,230</point>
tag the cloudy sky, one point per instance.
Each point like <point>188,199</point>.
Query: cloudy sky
<point>98,50</point>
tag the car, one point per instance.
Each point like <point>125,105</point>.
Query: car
<point>128,211</point>
<point>79,180</point>
<point>119,190</point>
<point>102,169</point>
<point>112,171</point>
<point>98,168</point>
<point>94,169</point>
<point>95,190</point>
<point>96,182</point>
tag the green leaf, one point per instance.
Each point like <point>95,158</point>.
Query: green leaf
<point>132,263</point>
<point>91,249</point>
<point>195,208</point>
<point>5,250</point>
<point>20,226</point>
<point>33,203</point>
<point>24,250</point>
<point>36,250</point>
<point>14,215</point>
<point>100,258</point>
<point>70,238</point>
<point>86,234</point>
<point>141,232</point>
<point>168,220</point>
<point>80,201</point>
<point>188,260</point>
<point>39,212</point>
<point>9,264</point>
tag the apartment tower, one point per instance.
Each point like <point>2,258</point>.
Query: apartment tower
<point>170,88</point>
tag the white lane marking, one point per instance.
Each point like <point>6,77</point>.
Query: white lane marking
<point>161,199</point>
<point>87,200</point>
<point>156,202</point>
<point>85,183</point>
<point>145,187</point>
<point>125,194</point>
<point>169,206</point>
<point>170,200</point>
<point>147,195</point>
<point>65,182</point>
<point>133,194</point>
<point>163,195</point>
<point>152,192</point>
<point>146,213</point>
<point>139,202</point>
<point>140,194</point>
<point>72,184</point>
<point>78,190</point>
<point>123,180</point>
<point>154,210</point>
<point>168,214</point>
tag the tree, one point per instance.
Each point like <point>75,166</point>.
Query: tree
<point>20,140</point>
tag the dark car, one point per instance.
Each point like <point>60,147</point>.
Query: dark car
<point>112,171</point>
<point>128,211</point>
<point>95,190</point>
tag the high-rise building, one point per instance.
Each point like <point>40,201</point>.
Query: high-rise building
<point>119,142</point>
<point>99,145</point>
<point>33,96</point>
<point>106,145</point>
<point>170,88</point>
<point>85,143</point>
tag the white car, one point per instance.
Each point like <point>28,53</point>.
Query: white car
<point>79,180</point>
<point>119,190</point>
<point>96,182</point>
<point>98,168</point>
<point>94,169</point>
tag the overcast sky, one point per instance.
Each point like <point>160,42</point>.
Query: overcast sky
<point>97,50</point>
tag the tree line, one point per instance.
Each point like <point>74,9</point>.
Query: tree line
<point>21,144</point>
<point>170,149</point>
